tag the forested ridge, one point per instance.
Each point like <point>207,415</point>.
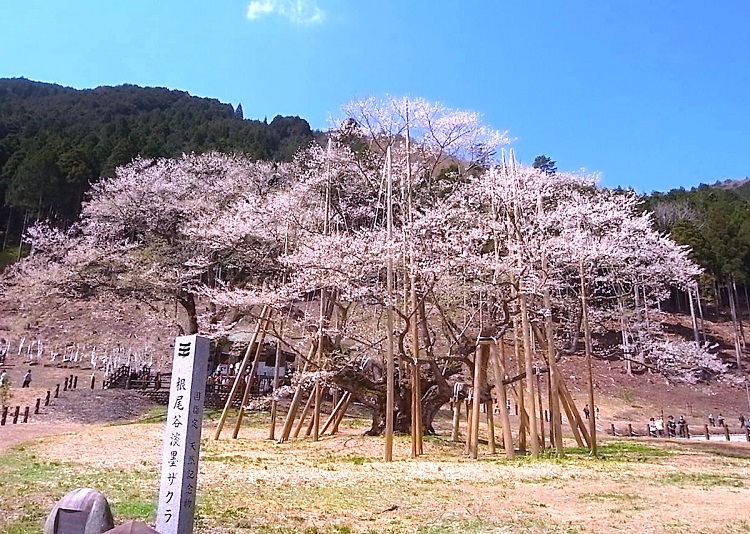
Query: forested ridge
<point>55,141</point>
<point>714,220</point>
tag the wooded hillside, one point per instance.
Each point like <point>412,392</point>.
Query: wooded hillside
<point>55,141</point>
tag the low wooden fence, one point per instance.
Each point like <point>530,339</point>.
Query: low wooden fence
<point>687,432</point>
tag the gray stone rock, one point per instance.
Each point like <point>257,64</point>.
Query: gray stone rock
<point>132,527</point>
<point>82,511</point>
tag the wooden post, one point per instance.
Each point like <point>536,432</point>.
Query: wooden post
<point>630,430</point>
<point>530,384</point>
<point>15,414</point>
<point>555,430</point>
<point>335,412</point>
<point>502,399</point>
<point>26,415</point>
<point>93,380</point>
<point>747,433</point>
<point>490,427</point>
<point>46,398</point>
<point>342,413</point>
<point>541,407</point>
<point>612,426</point>
<point>726,432</point>
<point>576,415</point>
<point>70,382</point>
<point>75,382</point>
<point>413,410</point>
<point>469,425</point>
<point>587,352</point>
<point>571,419</point>
<point>294,405</point>
<point>240,372</point>
<point>708,435</point>
<point>274,400</point>
<point>305,411</point>
<point>478,358</point>
<point>5,416</point>
<point>318,392</point>
<point>57,390</point>
<point>390,367</point>
<point>456,418</point>
<point>36,408</point>
<point>65,387</point>
<point>250,376</point>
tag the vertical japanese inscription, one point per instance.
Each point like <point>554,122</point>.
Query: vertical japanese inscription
<point>182,436</point>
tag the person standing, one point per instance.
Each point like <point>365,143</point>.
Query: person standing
<point>741,419</point>
<point>26,379</point>
<point>586,411</point>
<point>720,420</point>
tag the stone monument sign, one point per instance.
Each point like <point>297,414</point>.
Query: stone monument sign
<point>182,436</point>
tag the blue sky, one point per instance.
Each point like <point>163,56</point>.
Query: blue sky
<point>652,94</point>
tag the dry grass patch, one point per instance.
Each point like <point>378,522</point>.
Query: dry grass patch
<point>341,484</point>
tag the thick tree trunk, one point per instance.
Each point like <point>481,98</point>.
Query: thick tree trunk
<point>187,301</point>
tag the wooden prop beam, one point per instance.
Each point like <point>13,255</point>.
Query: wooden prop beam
<point>499,370</point>
<point>241,371</point>
<point>294,405</point>
<point>249,381</point>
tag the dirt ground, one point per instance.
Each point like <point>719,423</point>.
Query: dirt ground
<point>340,484</point>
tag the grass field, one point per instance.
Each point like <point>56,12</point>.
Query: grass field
<point>340,485</point>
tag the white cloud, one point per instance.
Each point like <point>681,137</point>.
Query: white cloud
<point>297,11</point>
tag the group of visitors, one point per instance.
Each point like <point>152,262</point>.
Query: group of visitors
<point>5,381</point>
<point>674,428</point>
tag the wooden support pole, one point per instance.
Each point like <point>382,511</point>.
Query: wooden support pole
<point>576,414</point>
<point>36,407</point>
<point>318,394</point>
<point>588,350</point>
<point>490,427</point>
<point>499,369</point>
<point>335,412</point>
<point>305,411</point>
<point>274,400</point>
<point>418,406</point>
<point>708,434</point>
<point>15,414</point>
<point>630,430</point>
<point>240,372</point>
<point>4,417</point>
<point>476,400</point>
<point>342,413</point>
<point>413,409</point>
<point>726,432</point>
<point>294,405</point>
<point>93,380</point>
<point>555,431</point>
<point>75,382</point>
<point>57,390</point>
<point>251,375</point>
<point>541,407</point>
<point>26,415</point>
<point>530,384</point>
<point>571,420</point>
<point>46,398</point>
<point>456,419</point>
<point>65,387</point>
<point>469,426</point>
<point>612,427</point>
